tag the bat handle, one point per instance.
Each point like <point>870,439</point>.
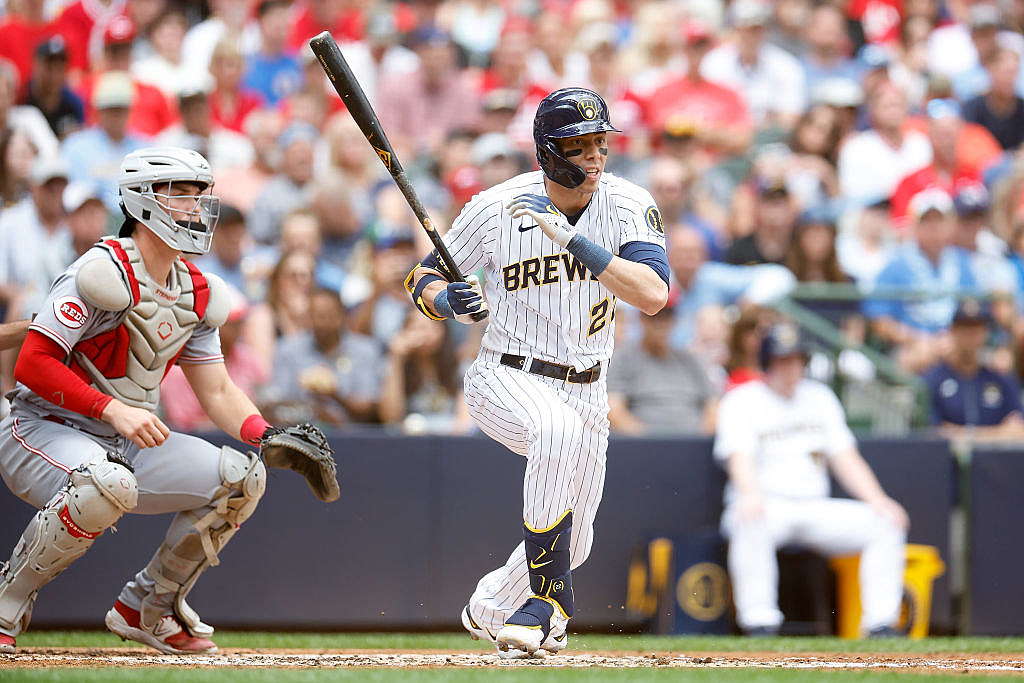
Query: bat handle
<point>478,316</point>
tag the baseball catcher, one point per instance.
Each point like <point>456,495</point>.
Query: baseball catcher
<point>83,444</point>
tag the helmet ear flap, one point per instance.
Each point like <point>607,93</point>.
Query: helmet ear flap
<point>557,167</point>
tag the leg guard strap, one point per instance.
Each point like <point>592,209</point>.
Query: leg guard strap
<point>547,557</point>
<point>175,569</point>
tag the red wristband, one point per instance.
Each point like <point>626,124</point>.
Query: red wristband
<point>253,428</point>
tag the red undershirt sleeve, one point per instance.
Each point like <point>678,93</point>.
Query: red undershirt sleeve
<point>40,367</point>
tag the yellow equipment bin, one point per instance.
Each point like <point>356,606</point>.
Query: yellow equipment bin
<point>923,566</point>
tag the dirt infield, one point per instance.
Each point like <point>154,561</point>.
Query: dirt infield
<point>291,659</point>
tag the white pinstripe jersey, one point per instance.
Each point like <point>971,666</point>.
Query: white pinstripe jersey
<point>543,302</point>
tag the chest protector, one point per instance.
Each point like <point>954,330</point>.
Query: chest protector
<point>129,361</point>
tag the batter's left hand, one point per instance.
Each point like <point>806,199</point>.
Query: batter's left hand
<point>892,511</point>
<point>539,208</point>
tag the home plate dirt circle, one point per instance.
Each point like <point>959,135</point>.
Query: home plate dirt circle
<point>291,659</point>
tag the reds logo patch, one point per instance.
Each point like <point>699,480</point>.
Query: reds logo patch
<point>70,311</point>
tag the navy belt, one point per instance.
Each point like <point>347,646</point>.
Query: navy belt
<point>552,370</point>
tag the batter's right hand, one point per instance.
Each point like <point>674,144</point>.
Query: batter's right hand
<point>141,426</point>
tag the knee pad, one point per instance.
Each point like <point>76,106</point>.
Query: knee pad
<point>548,562</point>
<point>175,569</point>
<point>96,496</point>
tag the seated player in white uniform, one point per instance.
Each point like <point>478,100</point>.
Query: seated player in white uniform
<point>777,438</point>
<point>82,443</point>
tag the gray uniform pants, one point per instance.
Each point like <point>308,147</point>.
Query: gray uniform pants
<point>182,475</point>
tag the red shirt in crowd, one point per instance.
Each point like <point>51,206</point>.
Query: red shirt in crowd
<point>702,103</point>
<point>19,39</point>
<point>879,19</point>
<point>151,111</point>
<point>79,20</point>
<point>233,116</point>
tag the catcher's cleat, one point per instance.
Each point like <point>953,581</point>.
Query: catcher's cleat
<point>6,643</point>
<point>167,635</point>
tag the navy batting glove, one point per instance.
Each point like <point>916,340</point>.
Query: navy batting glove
<point>460,300</point>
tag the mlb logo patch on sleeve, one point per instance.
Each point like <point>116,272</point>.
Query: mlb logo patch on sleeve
<point>70,311</point>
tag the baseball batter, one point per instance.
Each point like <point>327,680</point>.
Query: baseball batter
<point>777,439</point>
<point>82,443</point>
<point>558,247</point>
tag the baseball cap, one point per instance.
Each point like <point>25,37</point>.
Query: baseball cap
<point>430,35</point>
<point>818,214</point>
<point>53,47</point>
<point>121,29</point>
<point>502,99</point>
<point>392,238</point>
<point>298,131</point>
<point>839,92</point>
<point>971,312</point>
<point>47,168</point>
<point>972,199</point>
<point>749,13</point>
<point>942,108</point>
<point>113,89</point>
<point>594,35</point>
<point>76,194</point>
<point>984,15</point>
<point>873,57</point>
<point>463,182</point>
<point>931,199</point>
<point>695,30</point>
<point>771,187</point>
<point>490,146</point>
<point>782,340</point>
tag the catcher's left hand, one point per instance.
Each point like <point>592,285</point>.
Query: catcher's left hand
<point>303,448</point>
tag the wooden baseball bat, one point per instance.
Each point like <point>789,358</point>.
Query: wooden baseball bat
<point>327,51</point>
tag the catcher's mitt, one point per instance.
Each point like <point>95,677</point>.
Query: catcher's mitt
<point>303,448</point>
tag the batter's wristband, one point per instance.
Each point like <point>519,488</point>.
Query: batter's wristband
<point>253,428</point>
<point>441,305</point>
<point>595,257</point>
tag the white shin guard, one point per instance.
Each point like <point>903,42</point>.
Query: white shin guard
<point>175,568</point>
<point>96,496</point>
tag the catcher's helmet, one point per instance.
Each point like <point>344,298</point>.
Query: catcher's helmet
<point>567,113</point>
<point>144,168</point>
<point>782,339</point>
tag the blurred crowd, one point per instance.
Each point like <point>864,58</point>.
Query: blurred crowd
<point>871,146</point>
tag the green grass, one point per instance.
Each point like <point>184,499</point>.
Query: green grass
<point>626,643</point>
<point>505,675</point>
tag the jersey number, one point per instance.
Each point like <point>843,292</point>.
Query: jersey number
<point>599,316</point>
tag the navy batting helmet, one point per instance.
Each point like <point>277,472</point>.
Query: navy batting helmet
<point>567,113</point>
<point>782,339</point>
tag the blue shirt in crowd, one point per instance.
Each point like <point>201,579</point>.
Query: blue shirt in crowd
<point>274,77</point>
<point>909,269</point>
<point>980,401</point>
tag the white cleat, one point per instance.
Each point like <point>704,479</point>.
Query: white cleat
<point>555,643</point>
<point>516,637</point>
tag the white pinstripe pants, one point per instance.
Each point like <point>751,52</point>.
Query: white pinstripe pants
<point>562,430</point>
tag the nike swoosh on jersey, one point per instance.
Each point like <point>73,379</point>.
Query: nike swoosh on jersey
<point>531,227</point>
